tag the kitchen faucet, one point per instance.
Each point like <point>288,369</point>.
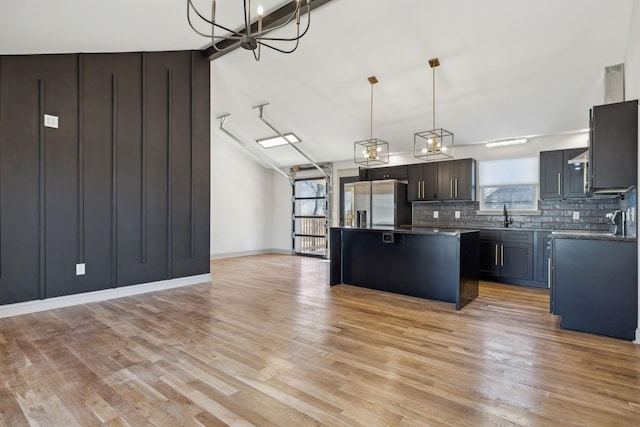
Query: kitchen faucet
<point>614,227</point>
<point>507,220</point>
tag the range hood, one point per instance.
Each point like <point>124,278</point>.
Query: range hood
<point>580,158</point>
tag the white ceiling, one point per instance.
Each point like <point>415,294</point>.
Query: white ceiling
<point>508,68</point>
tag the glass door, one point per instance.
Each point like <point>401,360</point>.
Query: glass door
<point>310,216</point>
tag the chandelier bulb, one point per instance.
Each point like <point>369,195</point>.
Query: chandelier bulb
<point>260,10</point>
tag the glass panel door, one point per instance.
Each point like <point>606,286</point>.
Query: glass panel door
<point>310,216</point>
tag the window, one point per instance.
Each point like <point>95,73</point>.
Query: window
<point>511,182</point>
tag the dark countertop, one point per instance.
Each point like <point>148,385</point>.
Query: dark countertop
<point>407,229</point>
<point>593,235</point>
<point>556,234</point>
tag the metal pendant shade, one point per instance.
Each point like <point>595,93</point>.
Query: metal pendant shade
<point>372,151</point>
<point>437,143</point>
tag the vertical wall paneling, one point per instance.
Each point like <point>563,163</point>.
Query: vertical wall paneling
<point>80,160</point>
<point>114,180</point>
<point>19,173</point>
<point>156,140</point>
<point>122,185</point>
<point>192,169</point>
<point>169,175</point>
<point>41,186</point>
<point>97,112</point>
<point>0,174</point>
<point>143,159</point>
<point>60,168</point>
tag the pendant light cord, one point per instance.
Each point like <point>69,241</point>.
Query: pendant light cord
<point>433,69</point>
<point>371,122</point>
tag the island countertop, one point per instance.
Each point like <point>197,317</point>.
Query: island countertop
<point>412,229</point>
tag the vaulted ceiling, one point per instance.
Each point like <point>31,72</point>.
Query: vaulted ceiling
<point>508,68</point>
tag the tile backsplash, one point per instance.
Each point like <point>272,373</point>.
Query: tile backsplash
<point>554,214</point>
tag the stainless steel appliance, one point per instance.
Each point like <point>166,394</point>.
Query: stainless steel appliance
<point>381,203</point>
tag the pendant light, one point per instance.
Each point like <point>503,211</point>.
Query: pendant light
<point>437,143</point>
<point>372,151</point>
<point>252,36</point>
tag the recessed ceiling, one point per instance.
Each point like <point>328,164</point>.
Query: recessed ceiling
<point>508,68</point>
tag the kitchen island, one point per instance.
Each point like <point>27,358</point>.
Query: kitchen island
<point>440,265</point>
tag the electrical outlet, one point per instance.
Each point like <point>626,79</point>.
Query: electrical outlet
<point>80,269</point>
<point>51,121</point>
<point>576,215</point>
<point>457,214</point>
<point>435,214</point>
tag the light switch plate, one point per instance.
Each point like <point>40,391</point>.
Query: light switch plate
<point>576,215</point>
<point>457,214</point>
<point>51,121</point>
<point>435,214</point>
<point>80,269</point>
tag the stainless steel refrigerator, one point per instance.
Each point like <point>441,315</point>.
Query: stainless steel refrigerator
<point>381,203</point>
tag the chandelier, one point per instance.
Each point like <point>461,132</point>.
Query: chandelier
<point>435,143</point>
<point>253,36</point>
<point>371,151</point>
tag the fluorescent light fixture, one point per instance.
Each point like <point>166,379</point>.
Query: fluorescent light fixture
<point>276,141</point>
<point>506,142</point>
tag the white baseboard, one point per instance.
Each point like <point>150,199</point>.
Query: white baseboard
<point>249,253</point>
<point>637,340</point>
<point>27,307</point>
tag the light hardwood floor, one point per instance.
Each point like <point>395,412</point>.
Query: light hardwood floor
<point>269,343</point>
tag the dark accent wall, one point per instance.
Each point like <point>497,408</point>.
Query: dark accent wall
<point>122,185</point>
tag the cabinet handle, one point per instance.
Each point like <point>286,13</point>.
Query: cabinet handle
<point>496,254</point>
<point>422,189</point>
<point>501,255</point>
<point>558,182</point>
<point>419,189</point>
<point>456,187</point>
<point>451,188</point>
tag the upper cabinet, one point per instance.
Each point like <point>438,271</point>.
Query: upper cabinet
<point>456,180</point>
<point>442,181</point>
<point>391,172</point>
<point>423,182</point>
<point>614,145</point>
<point>559,178</point>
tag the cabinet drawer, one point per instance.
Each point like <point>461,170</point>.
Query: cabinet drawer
<point>517,236</point>
<point>493,235</point>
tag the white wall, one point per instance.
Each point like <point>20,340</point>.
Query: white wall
<point>632,91</point>
<point>241,199</point>
<point>280,226</point>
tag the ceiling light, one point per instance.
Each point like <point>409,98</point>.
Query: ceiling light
<point>506,142</point>
<point>435,143</point>
<point>277,140</point>
<point>371,151</point>
<point>252,36</point>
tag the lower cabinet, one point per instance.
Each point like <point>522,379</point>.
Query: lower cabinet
<point>594,286</point>
<point>508,256</point>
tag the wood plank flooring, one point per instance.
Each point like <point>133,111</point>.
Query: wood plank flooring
<point>269,343</point>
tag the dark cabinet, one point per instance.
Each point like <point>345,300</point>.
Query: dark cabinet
<point>551,170</point>
<point>456,180</point>
<point>391,172</point>
<point>542,242</point>
<point>614,145</point>
<point>559,178</point>
<point>595,287</point>
<point>506,255</point>
<point>422,182</point>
